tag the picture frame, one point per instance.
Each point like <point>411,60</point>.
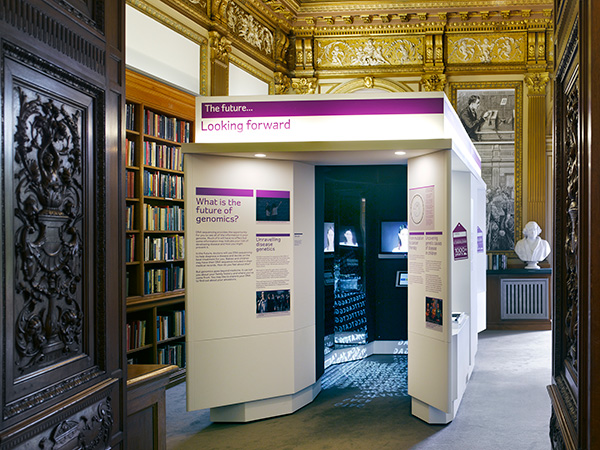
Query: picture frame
<point>495,126</point>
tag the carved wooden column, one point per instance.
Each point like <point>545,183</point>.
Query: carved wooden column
<point>220,47</point>
<point>536,150</point>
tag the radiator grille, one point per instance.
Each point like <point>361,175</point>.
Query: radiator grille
<point>524,298</point>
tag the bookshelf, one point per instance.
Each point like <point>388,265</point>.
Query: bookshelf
<point>158,120</point>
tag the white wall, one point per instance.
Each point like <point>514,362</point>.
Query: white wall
<point>243,83</point>
<point>153,49</point>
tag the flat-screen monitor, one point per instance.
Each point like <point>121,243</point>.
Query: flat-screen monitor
<point>394,237</point>
<point>348,237</point>
<point>401,279</point>
<point>329,237</point>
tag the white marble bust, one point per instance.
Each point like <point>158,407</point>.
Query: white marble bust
<point>532,248</point>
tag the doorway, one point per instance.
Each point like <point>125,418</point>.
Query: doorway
<point>360,296</point>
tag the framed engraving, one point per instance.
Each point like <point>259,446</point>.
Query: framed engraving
<point>492,114</point>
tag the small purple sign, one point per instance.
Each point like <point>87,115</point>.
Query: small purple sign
<point>480,248</point>
<point>459,240</point>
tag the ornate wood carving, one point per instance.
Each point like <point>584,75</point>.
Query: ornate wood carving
<point>48,230</point>
<point>570,248</point>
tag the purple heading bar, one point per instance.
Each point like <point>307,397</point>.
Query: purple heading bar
<point>350,107</point>
<point>273,194</point>
<point>225,192</point>
<point>272,234</point>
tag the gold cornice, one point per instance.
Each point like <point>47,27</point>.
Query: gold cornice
<point>168,21</point>
<point>316,7</point>
<point>349,25</point>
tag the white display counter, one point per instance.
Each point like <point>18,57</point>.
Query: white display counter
<point>248,360</point>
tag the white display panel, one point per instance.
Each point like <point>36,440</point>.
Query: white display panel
<point>246,318</point>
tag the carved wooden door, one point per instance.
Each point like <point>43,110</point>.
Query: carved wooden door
<point>62,93</point>
<point>576,327</point>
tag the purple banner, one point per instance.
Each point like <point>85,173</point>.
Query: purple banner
<point>459,239</point>
<point>225,192</point>
<point>273,194</point>
<point>434,233</point>
<point>272,234</point>
<point>479,240</point>
<point>341,107</point>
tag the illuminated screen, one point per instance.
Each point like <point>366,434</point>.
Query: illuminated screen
<point>394,237</point>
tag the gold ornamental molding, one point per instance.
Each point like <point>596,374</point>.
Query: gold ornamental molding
<point>486,49</point>
<point>536,82</point>
<point>304,85</point>
<point>365,52</point>
<point>433,82</point>
<point>220,47</point>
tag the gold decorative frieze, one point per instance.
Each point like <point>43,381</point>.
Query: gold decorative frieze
<point>486,49</point>
<point>367,18</point>
<point>246,27</point>
<point>364,52</point>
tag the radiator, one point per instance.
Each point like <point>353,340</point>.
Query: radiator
<point>524,298</point>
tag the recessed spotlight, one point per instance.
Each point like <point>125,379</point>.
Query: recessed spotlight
<point>260,155</point>
<point>399,153</point>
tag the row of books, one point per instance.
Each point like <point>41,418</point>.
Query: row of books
<point>164,248</point>
<point>163,156</point>
<point>170,325</point>
<point>130,116</point>
<point>497,261</point>
<point>130,184</point>
<point>136,334</point>
<point>129,152</point>
<point>172,354</point>
<point>161,280</point>
<point>130,217</point>
<point>158,184</point>
<point>130,248</point>
<point>163,218</point>
<point>165,127</point>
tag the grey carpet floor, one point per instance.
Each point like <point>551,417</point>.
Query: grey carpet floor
<point>365,405</point>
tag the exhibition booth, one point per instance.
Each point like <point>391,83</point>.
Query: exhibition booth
<point>258,240</point>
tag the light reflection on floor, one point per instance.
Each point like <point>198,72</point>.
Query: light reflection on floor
<point>376,377</point>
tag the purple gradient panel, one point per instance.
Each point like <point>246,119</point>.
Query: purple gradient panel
<point>225,192</point>
<point>323,108</point>
<point>435,233</point>
<point>273,194</point>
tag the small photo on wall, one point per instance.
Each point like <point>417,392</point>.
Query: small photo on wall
<point>329,237</point>
<point>434,313</point>
<point>268,302</point>
<point>273,206</point>
<point>348,237</point>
